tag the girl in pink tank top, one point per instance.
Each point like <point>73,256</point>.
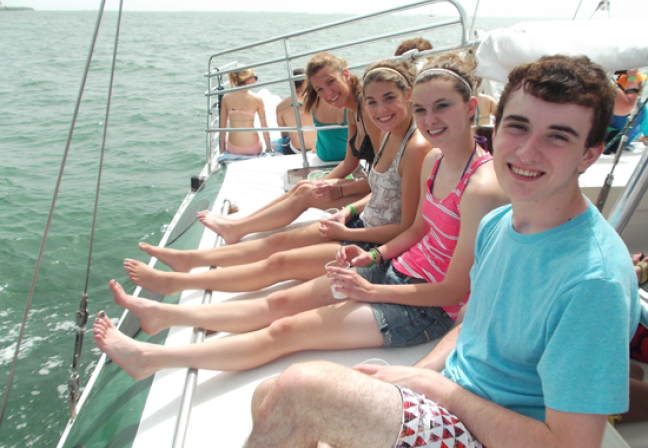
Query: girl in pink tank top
<point>424,273</point>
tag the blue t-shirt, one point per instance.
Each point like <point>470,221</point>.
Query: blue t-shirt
<point>550,318</point>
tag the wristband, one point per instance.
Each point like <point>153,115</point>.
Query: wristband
<point>631,90</point>
<point>377,251</point>
<point>353,210</point>
<point>631,78</point>
<point>373,255</point>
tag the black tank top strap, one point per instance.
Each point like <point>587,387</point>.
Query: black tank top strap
<point>366,150</point>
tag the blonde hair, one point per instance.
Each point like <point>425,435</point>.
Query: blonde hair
<point>239,78</point>
<point>332,62</point>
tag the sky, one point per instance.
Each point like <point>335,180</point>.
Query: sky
<point>487,8</point>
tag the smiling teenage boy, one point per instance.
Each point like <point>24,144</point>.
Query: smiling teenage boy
<point>542,356</point>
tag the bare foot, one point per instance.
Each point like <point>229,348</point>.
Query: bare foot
<point>147,311</point>
<point>178,260</point>
<point>224,227</point>
<point>127,353</point>
<point>148,278</point>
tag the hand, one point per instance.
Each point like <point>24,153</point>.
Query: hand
<point>427,382</point>
<point>343,216</point>
<point>632,72</point>
<point>415,379</point>
<point>354,255</point>
<point>324,190</point>
<point>331,229</point>
<point>350,283</point>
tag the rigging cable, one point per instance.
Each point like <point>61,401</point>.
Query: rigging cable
<point>82,312</point>
<point>51,213</point>
<point>577,9</point>
<point>623,136</point>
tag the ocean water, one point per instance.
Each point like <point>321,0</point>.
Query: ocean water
<point>155,143</point>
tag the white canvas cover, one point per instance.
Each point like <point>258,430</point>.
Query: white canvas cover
<point>615,44</point>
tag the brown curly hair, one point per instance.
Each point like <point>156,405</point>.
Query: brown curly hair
<point>417,43</point>
<point>565,80</point>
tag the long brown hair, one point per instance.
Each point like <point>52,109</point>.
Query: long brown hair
<point>334,63</point>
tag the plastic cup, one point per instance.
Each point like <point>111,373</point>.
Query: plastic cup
<point>336,294</point>
<point>378,361</point>
<point>331,212</point>
<point>316,175</point>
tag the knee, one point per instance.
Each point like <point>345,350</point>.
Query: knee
<point>276,240</point>
<point>303,190</point>
<point>306,379</point>
<point>278,262</point>
<point>277,300</point>
<point>260,394</point>
<point>282,331</point>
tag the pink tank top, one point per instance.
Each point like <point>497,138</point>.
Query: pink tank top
<point>429,258</point>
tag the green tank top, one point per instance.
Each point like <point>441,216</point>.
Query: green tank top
<point>331,143</point>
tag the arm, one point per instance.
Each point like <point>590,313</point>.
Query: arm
<point>419,227</point>
<point>262,120</point>
<point>625,99</point>
<point>492,106</point>
<point>482,195</point>
<point>410,171</point>
<point>436,359</point>
<point>330,190</point>
<point>222,135</point>
<point>494,425</point>
<point>280,119</point>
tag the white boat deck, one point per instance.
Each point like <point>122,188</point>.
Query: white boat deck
<point>221,410</point>
<point>221,407</point>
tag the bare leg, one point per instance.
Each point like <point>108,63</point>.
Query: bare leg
<point>304,263</point>
<point>279,215</point>
<point>320,401</point>
<point>242,253</point>
<point>205,213</point>
<point>233,317</point>
<point>341,326</point>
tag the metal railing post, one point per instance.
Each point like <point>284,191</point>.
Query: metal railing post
<point>295,102</point>
<point>630,196</point>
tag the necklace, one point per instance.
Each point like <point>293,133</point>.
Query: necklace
<point>464,170</point>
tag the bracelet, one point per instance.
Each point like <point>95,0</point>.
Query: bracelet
<point>631,90</point>
<point>631,78</point>
<point>382,259</point>
<point>341,192</point>
<point>373,255</point>
<point>353,210</point>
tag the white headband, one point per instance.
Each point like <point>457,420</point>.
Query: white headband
<point>447,72</point>
<point>385,68</point>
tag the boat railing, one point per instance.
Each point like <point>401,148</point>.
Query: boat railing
<point>220,64</point>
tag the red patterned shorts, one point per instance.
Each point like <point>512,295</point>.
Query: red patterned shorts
<point>428,425</point>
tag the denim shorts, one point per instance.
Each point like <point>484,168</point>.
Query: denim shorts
<point>404,325</point>
<point>356,223</point>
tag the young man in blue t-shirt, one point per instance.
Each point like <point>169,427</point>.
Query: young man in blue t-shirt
<point>542,356</point>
